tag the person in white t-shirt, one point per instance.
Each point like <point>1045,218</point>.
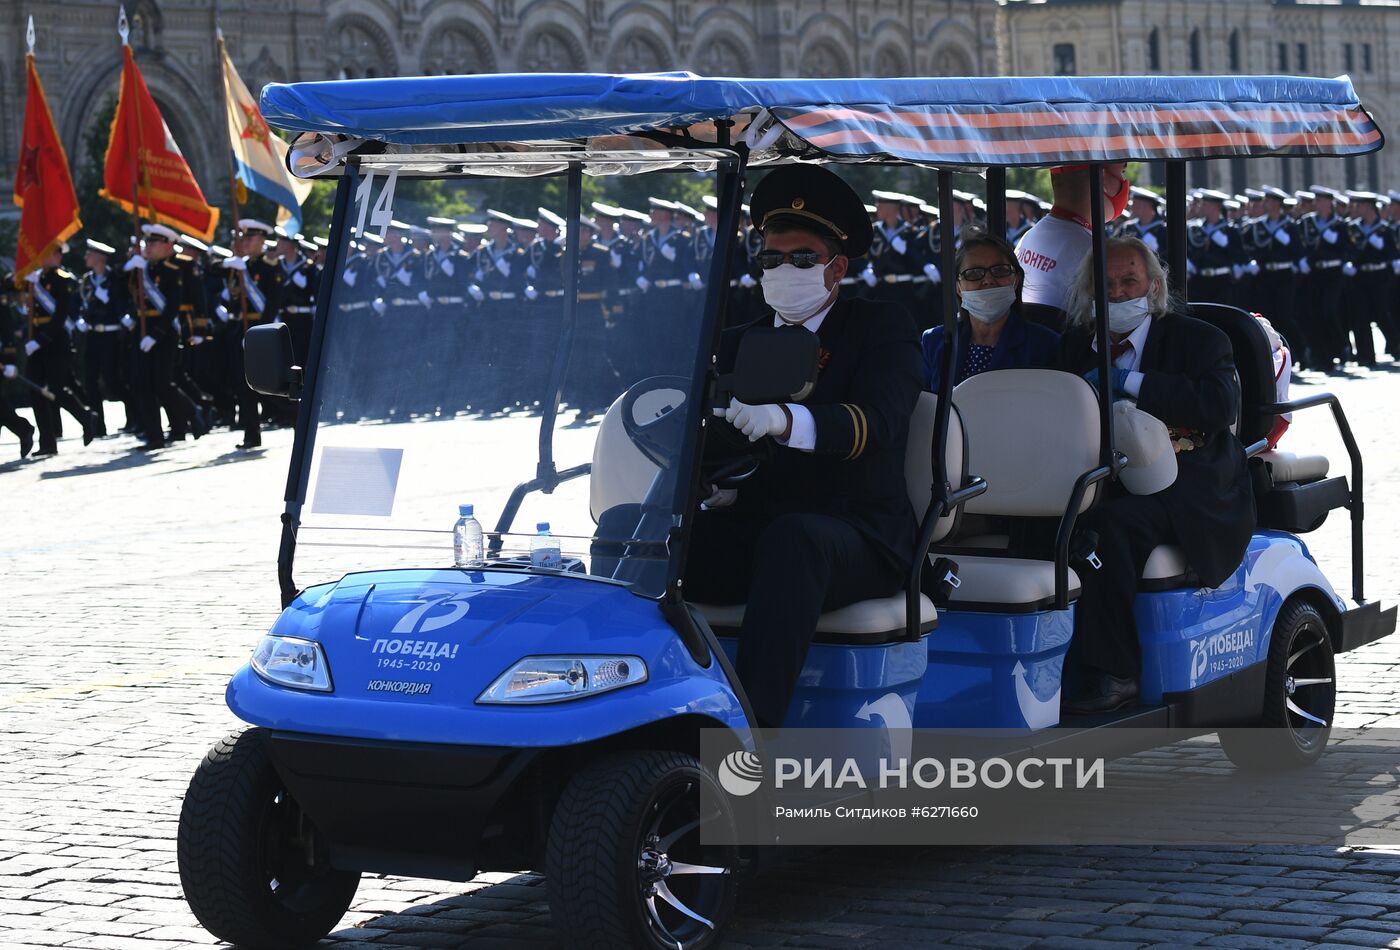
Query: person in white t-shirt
<point>1051,251</point>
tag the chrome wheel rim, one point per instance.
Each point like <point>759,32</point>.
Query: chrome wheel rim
<point>682,883</point>
<point>1309,687</point>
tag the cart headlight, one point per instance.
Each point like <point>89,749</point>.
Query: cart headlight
<point>289,661</point>
<point>550,679</point>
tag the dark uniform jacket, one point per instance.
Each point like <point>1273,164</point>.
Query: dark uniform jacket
<point>104,298</point>
<point>861,405</point>
<point>56,301</point>
<point>1189,382</point>
<point>1021,345</point>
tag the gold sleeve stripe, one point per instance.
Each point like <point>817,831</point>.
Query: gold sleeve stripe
<point>855,430</point>
<point>864,431</point>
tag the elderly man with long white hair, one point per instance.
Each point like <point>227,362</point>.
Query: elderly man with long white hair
<point>1182,371</point>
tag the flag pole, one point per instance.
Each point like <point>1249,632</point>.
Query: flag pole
<point>232,171</point>
<point>124,31</point>
<point>29,287</point>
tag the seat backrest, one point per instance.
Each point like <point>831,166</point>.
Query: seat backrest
<point>621,473</point>
<point>1030,433</point>
<point>919,456</point>
<point>1045,315</point>
<point>1254,364</point>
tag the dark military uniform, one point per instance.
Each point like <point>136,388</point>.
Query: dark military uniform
<point>895,261</point>
<point>1276,247</point>
<point>666,309</point>
<point>11,350</point>
<point>106,362</point>
<point>500,279</point>
<point>1327,243</point>
<point>159,290</point>
<point>1152,233</point>
<point>56,301</point>
<point>1374,251</point>
<point>298,303</point>
<point>256,291</point>
<point>1215,256</point>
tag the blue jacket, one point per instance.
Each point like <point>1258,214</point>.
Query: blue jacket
<point>1021,345</point>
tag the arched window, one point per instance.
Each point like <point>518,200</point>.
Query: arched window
<point>1195,51</point>
<point>1154,50</point>
<point>1234,51</point>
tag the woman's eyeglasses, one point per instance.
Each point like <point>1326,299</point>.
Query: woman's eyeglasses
<point>998,271</point>
<point>799,259</point>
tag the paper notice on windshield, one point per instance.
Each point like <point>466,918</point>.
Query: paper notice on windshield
<point>354,481</point>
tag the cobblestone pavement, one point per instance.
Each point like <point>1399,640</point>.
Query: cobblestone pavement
<point>134,586</point>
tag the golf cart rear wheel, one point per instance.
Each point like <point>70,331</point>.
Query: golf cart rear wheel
<point>1300,696</point>
<point>624,863</point>
<point>251,865</point>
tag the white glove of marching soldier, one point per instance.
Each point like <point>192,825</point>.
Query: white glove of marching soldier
<point>134,262</point>
<point>643,283</point>
<point>31,347</point>
<point>1252,268</point>
<point>1303,266</point>
<point>222,313</point>
<point>10,371</point>
<point>1348,269</point>
<point>1395,265</point>
<point>1220,238</point>
<point>868,275</point>
<point>424,299</point>
<point>747,282</point>
<point>899,244</point>
<point>379,307</point>
<point>695,282</point>
<point>531,293</point>
<point>147,344</point>
<point>237,263</point>
<point>932,273</point>
<point>755,421</point>
<point>128,322</point>
<point>476,293</point>
<point>80,325</point>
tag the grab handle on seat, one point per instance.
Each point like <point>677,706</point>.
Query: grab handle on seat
<point>1066,531</point>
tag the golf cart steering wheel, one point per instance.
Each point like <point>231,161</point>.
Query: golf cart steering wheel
<point>659,401</point>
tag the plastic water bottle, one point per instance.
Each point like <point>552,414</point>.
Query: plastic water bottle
<point>466,539</point>
<point>544,549</point>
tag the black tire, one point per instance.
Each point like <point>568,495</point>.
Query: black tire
<point>243,847</point>
<point>617,827</point>
<point>1300,696</point>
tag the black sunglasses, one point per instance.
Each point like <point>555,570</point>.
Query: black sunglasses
<point>799,259</point>
<point>977,273</point>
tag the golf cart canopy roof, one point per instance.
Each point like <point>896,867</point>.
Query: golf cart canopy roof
<point>961,122</point>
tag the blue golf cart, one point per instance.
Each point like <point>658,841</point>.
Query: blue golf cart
<point>409,716</point>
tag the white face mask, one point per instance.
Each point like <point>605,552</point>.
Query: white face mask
<point>988,304</point>
<point>796,293</point>
<point>1125,316</point>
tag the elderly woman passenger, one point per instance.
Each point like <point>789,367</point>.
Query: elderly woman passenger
<point>1182,371</point>
<point>991,333</point>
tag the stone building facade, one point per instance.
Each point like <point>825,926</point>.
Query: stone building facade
<point>1225,37</point>
<point>79,55</point>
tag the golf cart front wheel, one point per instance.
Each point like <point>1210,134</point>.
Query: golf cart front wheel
<point>251,865</point>
<point>625,865</point>
<point>1300,696</point>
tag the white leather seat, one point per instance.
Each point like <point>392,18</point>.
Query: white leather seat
<point>1289,467</point>
<point>1030,433</point>
<point>1009,584</point>
<point>866,618</point>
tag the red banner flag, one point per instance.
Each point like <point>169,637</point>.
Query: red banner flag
<point>167,192</point>
<point>43,186</point>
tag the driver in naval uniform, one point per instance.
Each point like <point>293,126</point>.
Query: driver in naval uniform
<point>825,522</point>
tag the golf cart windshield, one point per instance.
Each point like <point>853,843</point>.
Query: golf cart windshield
<point>446,353</point>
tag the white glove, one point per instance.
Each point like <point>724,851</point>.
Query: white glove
<point>1252,268</point>
<point>424,299</point>
<point>449,268</point>
<point>1237,271</point>
<point>720,498</point>
<point>101,294</point>
<point>81,325</point>
<point>128,322</point>
<point>1303,266</point>
<point>349,277</point>
<point>668,251</point>
<point>69,325</point>
<point>755,421</point>
<point>1190,267</point>
<point>476,293</point>
<point>531,273</point>
<point>237,263</point>
<point>615,259</point>
<point>746,281</point>
<point>196,340</point>
<point>31,347</point>
<point>932,273</point>
<point>694,280</point>
<point>1348,269</point>
<point>643,283</point>
<point>222,313</point>
<point>1283,237</point>
<point>1376,241</point>
<point>403,276</point>
<point>1329,236</point>
<point>378,306</point>
<point>1221,239</point>
<point>147,344</point>
<point>299,279</point>
<point>33,276</point>
<point>1395,265</point>
<point>869,277</point>
<point>899,244</point>
<point>1150,240</point>
<point>10,371</point>
<point>134,262</point>
<point>531,293</point>
<point>503,266</point>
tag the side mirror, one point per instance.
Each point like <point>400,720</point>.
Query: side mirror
<point>774,364</point>
<point>267,361</point>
